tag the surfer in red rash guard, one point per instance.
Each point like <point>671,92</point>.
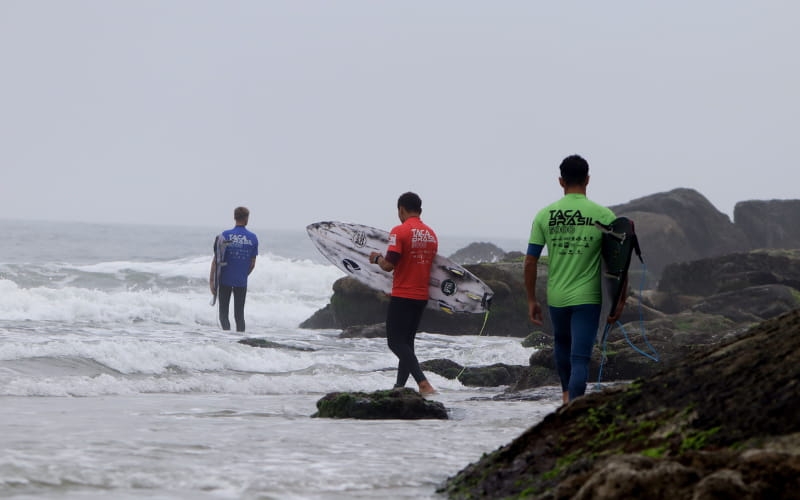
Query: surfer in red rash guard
<point>412,248</point>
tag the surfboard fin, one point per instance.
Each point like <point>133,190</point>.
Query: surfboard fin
<point>446,308</point>
<point>458,272</point>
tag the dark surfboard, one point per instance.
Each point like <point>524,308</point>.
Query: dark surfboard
<point>619,242</point>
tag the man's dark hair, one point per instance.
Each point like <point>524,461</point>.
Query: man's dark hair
<point>241,214</point>
<point>574,170</point>
<point>410,201</point>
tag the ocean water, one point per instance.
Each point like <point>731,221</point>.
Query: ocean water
<point>116,381</point>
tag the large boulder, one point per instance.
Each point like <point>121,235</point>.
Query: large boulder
<point>769,224</point>
<point>683,226</point>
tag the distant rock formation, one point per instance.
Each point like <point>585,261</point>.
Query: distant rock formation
<point>478,253</point>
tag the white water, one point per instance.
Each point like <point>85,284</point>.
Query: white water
<point>115,381</point>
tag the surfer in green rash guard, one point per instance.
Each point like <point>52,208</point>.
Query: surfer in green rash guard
<point>412,248</point>
<point>239,259</point>
<point>574,296</point>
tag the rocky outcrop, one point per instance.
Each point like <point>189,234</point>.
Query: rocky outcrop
<point>723,423</point>
<point>699,299</point>
<point>678,226</point>
<point>399,403</point>
<point>706,277</point>
<point>698,303</point>
<point>682,225</point>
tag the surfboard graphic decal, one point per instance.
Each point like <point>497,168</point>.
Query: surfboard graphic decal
<point>449,287</point>
<point>360,239</point>
<point>351,265</point>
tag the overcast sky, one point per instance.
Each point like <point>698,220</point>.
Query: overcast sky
<point>175,112</point>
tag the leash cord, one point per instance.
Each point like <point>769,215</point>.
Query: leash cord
<point>604,339</point>
<point>485,319</point>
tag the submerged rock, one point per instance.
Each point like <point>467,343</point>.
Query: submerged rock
<point>268,344</point>
<point>478,376</point>
<point>399,403</point>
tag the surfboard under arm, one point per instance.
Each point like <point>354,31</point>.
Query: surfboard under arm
<point>219,261</point>
<point>452,288</point>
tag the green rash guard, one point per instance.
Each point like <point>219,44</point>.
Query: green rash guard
<point>567,228</point>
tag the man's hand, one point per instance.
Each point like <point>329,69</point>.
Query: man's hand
<point>535,312</point>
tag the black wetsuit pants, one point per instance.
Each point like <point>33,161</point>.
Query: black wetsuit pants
<point>402,321</point>
<point>239,293</point>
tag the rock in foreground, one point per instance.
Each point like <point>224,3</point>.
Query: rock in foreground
<point>724,423</point>
<point>403,403</point>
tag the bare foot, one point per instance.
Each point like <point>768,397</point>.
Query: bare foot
<point>426,389</point>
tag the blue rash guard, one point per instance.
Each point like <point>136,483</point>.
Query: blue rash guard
<point>241,249</point>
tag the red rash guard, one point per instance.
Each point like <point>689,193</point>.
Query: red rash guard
<point>412,247</point>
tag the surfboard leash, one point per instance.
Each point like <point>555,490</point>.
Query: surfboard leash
<point>483,327</point>
<point>653,354</point>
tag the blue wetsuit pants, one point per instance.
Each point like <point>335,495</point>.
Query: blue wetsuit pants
<point>575,330</point>
<point>402,321</point>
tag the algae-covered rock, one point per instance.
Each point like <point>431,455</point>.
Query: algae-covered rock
<point>399,403</point>
<point>723,423</point>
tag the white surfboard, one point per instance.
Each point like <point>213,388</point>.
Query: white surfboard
<point>453,289</point>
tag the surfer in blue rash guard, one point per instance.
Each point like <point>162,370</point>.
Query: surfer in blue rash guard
<point>241,250</point>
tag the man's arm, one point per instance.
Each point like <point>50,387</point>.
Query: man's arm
<point>385,263</point>
<point>252,265</point>
<point>534,308</point>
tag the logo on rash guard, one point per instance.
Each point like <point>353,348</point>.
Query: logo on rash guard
<point>569,218</point>
<point>239,239</point>
<point>392,240</point>
<point>421,237</point>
